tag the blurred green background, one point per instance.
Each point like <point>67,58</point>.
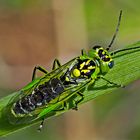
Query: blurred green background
<point>35,32</point>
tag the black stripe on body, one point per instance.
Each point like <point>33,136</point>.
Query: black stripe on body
<point>85,67</point>
<point>42,95</point>
<point>103,55</point>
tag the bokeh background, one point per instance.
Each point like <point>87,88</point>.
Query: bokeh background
<point>35,32</point>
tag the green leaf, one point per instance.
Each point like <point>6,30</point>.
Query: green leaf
<point>125,71</point>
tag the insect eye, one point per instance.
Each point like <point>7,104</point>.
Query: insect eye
<point>96,47</point>
<point>111,64</point>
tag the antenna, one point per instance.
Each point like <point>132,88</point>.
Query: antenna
<point>122,50</point>
<point>115,34</point>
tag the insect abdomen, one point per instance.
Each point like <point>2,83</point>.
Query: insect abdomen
<point>40,96</point>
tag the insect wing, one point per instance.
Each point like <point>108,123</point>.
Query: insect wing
<point>27,90</point>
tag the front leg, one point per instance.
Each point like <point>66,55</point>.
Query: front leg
<point>112,83</point>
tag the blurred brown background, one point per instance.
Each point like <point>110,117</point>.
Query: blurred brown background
<point>35,32</point>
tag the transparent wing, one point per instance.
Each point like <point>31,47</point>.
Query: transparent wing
<point>27,118</point>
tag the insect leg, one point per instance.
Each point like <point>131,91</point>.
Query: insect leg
<point>83,52</point>
<point>56,64</point>
<point>110,82</point>
<point>65,104</point>
<point>40,69</point>
<point>77,102</point>
<point>41,125</point>
<point>64,107</point>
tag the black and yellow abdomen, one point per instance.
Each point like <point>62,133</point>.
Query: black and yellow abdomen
<point>40,96</point>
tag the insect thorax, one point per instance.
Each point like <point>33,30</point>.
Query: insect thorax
<point>80,72</point>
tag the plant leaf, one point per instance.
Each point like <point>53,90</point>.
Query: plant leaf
<point>125,71</point>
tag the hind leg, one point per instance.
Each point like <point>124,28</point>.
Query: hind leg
<point>56,64</point>
<point>41,69</point>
